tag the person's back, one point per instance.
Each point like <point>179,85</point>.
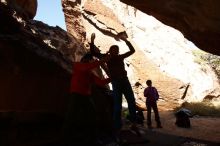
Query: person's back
<point>116,67</point>
<point>151,93</point>
<point>82,78</point>
<point>78,129</point>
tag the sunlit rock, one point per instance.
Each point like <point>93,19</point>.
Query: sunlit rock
<point>162,53</point>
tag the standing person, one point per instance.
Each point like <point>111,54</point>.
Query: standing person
<point>151,102</point>
<point>120,82</point>
<point>79,126</point>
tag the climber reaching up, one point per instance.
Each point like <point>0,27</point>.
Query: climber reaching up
<point>120,82</point>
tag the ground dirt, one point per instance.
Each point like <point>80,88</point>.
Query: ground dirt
<point>202,128</point>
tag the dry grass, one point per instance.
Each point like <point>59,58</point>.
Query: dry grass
<point>203,58</point>
<point>201,108</point>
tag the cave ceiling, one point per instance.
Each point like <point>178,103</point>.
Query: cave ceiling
<point>198,20</point>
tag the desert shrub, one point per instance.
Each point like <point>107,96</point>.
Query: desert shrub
<point>204,108</point>
<point>199,57</point>
<point>203,58</point>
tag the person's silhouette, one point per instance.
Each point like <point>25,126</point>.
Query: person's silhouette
<point>152,96</point>
<point>120,82</point>
<point>79,125</point>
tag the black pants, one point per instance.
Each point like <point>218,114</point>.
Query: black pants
<point>156,113</point>
<point>79,125</point>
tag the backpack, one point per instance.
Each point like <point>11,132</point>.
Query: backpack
<point>140,117</point>
<point>182,118</point>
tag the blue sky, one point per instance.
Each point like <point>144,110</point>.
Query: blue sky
<point>51,13</point>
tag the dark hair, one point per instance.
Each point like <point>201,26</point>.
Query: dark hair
<point>149,82</point>
<point>113,47</point>
<point>87,56</point>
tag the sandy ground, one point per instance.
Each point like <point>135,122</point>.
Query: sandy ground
<point>202,128</point>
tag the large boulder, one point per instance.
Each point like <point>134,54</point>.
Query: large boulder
<point>35,74</point>
<point>36,64</point>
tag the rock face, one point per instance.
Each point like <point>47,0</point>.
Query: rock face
<point>198,20</point>
<point>170,64</point>
<point>25,8</point>
<point>35,64</point>
<point>35,74</point>
<point>74,22</point>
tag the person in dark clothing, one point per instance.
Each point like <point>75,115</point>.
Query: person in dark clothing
<point>79,124</point>
<point>120,82</point>
<point>151,102</point>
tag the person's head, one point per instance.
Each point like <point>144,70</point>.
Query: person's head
<point>86,58</point>
<point>149,83</point>
<point>114,50</point>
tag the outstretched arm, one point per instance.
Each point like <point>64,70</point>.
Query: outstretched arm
<point>131,51</point>
<point>91,65</point>
<point>94,50</point>
<point>101,82</point>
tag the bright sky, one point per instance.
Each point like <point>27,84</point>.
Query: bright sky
<point>51,13</point>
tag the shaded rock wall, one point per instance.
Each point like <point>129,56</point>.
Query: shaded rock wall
<point>26,8</point>
<point>198,20</point>
<point>30,82</point>
<point>36,64</point>
<point>35,73</point>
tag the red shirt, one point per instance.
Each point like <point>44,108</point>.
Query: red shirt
<point>83,78</point>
